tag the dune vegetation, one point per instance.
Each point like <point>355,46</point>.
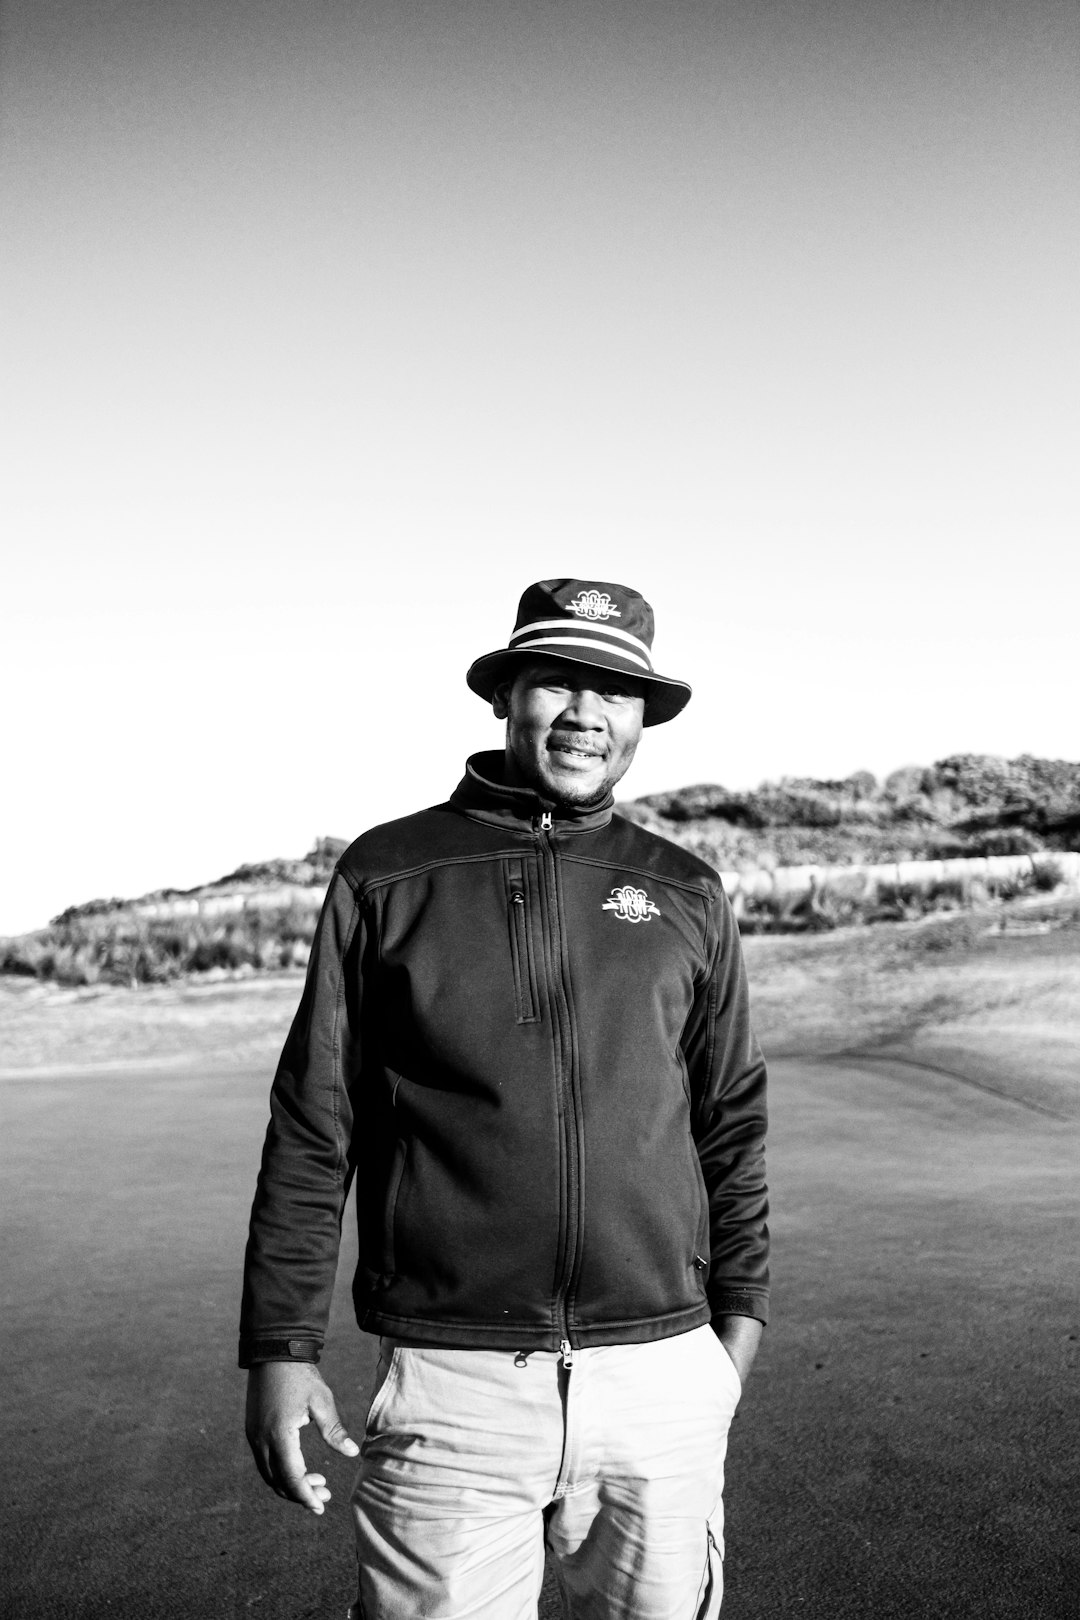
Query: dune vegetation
<point>967,806</point>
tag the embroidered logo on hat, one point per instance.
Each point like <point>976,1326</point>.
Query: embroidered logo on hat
<point>631,905</point>
<point>594,605</point>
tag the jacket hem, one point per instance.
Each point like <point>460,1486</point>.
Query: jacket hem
<point>528,1336</point>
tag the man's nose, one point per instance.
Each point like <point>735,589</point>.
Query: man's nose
<point>585,710</point>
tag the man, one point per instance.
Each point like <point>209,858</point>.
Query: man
<point>525,1032</point>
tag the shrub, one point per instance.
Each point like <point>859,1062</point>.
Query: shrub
<point>1046,874</point>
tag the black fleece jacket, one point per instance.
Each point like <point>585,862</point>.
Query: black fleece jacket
<point>526,1033</point>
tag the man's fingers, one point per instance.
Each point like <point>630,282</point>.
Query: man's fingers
<point>309,1491</point>
<point>319,1488</point>
<point>324,1411</point>
<point>290,1478</point>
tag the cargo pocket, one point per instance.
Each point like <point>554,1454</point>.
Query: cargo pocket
<point>526,1010</point>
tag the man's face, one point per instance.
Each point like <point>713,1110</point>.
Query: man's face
<point>571,729</point>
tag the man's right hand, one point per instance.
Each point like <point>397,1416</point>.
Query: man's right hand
<point>281,1397</point>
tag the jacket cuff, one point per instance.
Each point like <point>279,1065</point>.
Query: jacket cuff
<point>255,1351</point>
<point>735,1302</point>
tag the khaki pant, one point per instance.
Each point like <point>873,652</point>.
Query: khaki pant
<point>474,1459</point>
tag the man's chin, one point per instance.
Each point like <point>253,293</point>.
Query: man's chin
<point>577,795</point>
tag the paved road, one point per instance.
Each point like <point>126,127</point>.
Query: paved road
<point>908,1446</point>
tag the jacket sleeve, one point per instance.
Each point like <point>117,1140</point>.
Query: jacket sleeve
<point>295,1230</point>
<point>728,1091</point>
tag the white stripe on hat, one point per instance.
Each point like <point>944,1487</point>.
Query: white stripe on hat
<point>592,642</point>
<point>576,624</point>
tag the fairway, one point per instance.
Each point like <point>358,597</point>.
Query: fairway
<point>906,1447</point>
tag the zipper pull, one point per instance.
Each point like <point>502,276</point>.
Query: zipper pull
<point>566,1352</point>
<point>546,821</point>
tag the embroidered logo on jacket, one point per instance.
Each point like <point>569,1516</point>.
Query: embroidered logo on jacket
<point>594,605</point>
<point>631,905</point>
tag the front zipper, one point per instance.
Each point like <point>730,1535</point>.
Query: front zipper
<point>564,1067</point>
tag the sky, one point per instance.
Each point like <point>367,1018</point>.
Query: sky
<point>328,327</point>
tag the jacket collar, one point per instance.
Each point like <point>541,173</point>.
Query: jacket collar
<point>482,795</point>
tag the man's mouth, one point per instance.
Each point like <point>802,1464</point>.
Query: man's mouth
<point>576,750</point>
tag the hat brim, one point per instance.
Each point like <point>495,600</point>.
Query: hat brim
<point>664,697</point>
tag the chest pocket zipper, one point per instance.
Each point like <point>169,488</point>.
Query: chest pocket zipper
<point>521,955</point>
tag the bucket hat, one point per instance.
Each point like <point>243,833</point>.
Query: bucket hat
<point>584,621</point>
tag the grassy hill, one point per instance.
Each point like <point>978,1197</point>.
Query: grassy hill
<point>967,805</point>
<point>261,917</point>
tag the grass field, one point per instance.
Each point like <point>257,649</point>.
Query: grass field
<point>981,993</point>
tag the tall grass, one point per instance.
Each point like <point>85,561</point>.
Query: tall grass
<point>841,901</point>
<point>119,948</point>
